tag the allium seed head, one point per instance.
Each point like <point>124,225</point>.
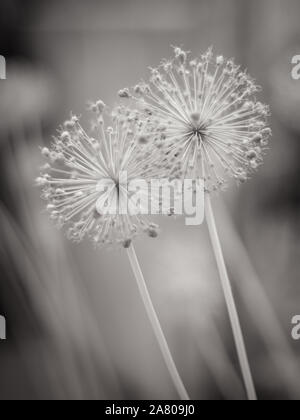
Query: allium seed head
<point>212,119</point>
<point>79,164</point>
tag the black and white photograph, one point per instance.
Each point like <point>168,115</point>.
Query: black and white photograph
<point>150,203</point>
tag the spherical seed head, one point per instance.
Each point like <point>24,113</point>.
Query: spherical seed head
<point>213,121</point>
<point>84,182</point>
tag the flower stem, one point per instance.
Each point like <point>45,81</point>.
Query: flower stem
<point>156,325</point>
<point>233,314</point>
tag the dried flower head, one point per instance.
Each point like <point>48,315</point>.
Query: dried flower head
<point>208,119</point>
<point>81,180</point>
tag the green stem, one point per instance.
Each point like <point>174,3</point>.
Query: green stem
<point>233,314</point>
<point>156,325</point>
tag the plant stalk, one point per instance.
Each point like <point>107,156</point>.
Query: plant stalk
<point>156,325</point>
<point>230,302</point>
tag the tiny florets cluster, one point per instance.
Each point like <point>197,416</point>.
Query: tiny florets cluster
<point>76,165</point>
<point>209,122</point>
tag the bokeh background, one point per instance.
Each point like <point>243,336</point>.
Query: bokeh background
<point>76,325</point>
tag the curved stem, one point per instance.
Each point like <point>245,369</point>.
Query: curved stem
<point>233,314</point>
<point>156,324</point>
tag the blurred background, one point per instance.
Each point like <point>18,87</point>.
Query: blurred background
<point>76,327</point>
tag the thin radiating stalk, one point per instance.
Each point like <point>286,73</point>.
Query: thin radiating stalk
<point>233,314</point>
<point>156,325</point>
